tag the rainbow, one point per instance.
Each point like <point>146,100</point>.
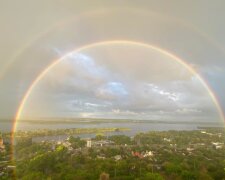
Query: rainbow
<point>63,23</point>
<point>114,42</point>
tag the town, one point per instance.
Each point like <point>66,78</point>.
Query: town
<point>197,154</point>
<point>6,165</point>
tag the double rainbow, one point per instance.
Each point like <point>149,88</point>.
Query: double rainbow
<point>114,42</point>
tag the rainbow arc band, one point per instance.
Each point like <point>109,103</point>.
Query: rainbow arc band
<point>119,42</point>
<point>63,23</point>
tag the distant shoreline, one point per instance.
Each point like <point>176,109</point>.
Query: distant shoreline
<point>96,121</point>
<point>134,125</point>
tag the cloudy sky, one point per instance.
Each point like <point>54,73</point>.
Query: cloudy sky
<point>117,80</point>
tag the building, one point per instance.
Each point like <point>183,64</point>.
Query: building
<point>217,145</point>
<point>1,142</point>
<point>167,139</point>
<point>89,143</point>
<point>137,154</point>
<point>189,149</point>
<point>67,145</point>
<point>2,146</point>
<point>103,143</point>
<point>118,157</point>
<point>148,154</point>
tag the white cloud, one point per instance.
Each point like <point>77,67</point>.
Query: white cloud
<point>90,84</point>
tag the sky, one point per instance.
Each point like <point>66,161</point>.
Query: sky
<point>116,80</point>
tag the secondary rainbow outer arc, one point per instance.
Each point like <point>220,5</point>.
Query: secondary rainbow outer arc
<point>63,23</point>
<point>102,43</point>
<point>49,30</point>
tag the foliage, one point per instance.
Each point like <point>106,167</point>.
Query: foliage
<point>170,160</point>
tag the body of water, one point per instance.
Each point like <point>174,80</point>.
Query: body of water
<point>134,128</point>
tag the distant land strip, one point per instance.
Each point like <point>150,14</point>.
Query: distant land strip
<point>96,120</point>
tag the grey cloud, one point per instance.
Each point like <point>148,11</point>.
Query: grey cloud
<point>196,37</point>
<point>83,86</point>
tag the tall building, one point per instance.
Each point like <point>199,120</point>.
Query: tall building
<point>2,147</point>
<point>88,143</point>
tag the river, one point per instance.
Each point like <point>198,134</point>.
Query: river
<point>134,127</point>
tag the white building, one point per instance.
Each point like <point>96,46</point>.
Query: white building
<point>118,157</point>
<point>89,143</point>
<point>218,145</point>
<point>148,154</point>
<point>167,139</point>
<point>190,149</point>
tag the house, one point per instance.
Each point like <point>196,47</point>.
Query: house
<point>137,154</point>
<point>189,149</point>
<point>103,143</point>
<point>117,157</point>
<point>217,145</point>
<point>148,154</point>
<point>67,145</point>
<point>59,142</point>
<point>167,139</point>
<point>100,157</point>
